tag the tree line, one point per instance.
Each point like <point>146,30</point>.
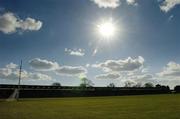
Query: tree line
<point>85,82</point>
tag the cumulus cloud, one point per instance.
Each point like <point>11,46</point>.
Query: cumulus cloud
<point>12,73</point>
<point>75,52</point>
<point>5,72</point>
<point>132,2</point>
<point>108,76</point>
<point>71,71</point>
<point>144,77</point>
<point>170,75</point>
<point>11,66</point>
<point>10,23</point>
<point>171,70</point>
<point>167,5</point>
<point>128,64</point>
<point>39,76</point>
<point>130,69</point>
<point>87,65</point>
<point>129,83</point>
<point>30,24</point>
<point>43,65</point>
<point>107,3</point>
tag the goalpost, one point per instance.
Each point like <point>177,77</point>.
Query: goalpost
<point>16,93</point>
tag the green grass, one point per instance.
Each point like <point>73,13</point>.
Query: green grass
<point>121,107</point>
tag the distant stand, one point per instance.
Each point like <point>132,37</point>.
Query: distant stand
<point>15,95</point>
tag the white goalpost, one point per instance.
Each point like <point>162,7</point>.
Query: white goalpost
<point>13,96</point>
<point>16,92</point>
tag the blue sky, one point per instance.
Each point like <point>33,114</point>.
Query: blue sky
<point>56,40</point>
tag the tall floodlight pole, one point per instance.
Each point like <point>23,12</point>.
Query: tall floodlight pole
<point>19,81</point>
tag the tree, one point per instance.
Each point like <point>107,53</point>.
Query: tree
<point>137,85</point>
<point>162,87</point>
<point>86,83</point>
<point>56,84</point>
<point>148,85</point>
<point>129,83</point>
<point>111,85</point>
<point>158,86</point>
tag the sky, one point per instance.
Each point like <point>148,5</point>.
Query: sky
<point>65,40</point>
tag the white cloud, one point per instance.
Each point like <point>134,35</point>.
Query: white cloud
<point>132,2</point>
<point>124,70</point>
<point>129,83</point>
<point>107,3</point>
<point>39,76</point>
<point>75,52</point>
<point>144,77</point>
<point>138,76</point>
<point>170,75</point>
<point>87,65</point>
<point>11,66</point>
<point>167,5</point>
<point>30,24</point>
<point>128,64</point>
<point>5,72</point>
<point>108,76</point>
<point>170,17</point>
<point>12,73</point>
<point>171,70</point>
<point>43,65</point>
<point>10,23</point>
<point>71,71</point>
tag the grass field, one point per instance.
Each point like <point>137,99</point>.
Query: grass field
<point>121,107</point>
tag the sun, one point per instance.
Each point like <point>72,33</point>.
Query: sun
<point>106,29</point>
